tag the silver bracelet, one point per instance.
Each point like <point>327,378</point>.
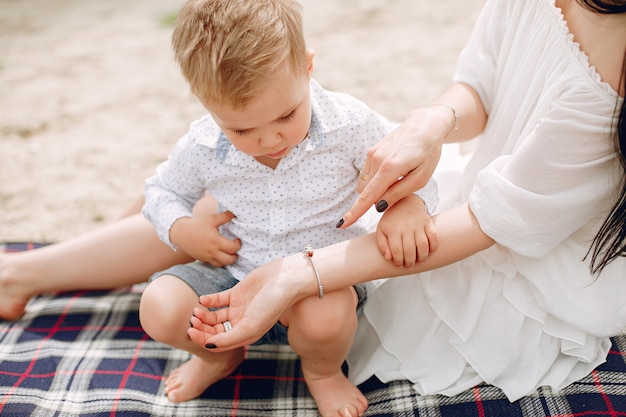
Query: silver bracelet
<point>308,252</point>
<point>454,113</point>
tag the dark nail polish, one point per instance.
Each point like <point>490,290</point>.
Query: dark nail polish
<point>190,324</point>
<point>340,223</point>
<point>381,206</point>
<point>210,346</point>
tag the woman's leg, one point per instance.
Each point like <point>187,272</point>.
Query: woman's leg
<point>118,254</point>
<point>133,208</point>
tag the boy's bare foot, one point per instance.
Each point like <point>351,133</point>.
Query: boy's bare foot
<point>12,304</point>
<point>336,396</point>
<point>193,377</point>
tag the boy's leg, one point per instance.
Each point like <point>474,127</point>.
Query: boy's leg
<point>165,308</point>
<point>321,332</point>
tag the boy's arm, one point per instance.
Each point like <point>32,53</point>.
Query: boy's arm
<point>174,189</point>
<point>200,238</point>
<point>170,195</point>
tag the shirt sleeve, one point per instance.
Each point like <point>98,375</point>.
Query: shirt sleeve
<point>561,176</point>
<point>175,188</point>
<point>429,195</point>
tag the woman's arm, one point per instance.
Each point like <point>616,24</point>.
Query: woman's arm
<point>257,302</point>
<point>412,151</point>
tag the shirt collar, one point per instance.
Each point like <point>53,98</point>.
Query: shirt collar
<point>322,122</point>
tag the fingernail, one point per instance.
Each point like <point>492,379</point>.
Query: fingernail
<point>190,324</point>
<point>381,206</point>
<point>340,223</point>
<point>210,346</point>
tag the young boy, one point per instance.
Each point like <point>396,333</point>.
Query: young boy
<point>281,156</point>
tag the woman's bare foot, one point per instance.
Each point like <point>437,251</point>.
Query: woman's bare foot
<point>336,396</point>
<point>193,377</point>
<point>12,301</point>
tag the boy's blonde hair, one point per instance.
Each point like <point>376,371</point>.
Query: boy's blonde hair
<point>228,49</point>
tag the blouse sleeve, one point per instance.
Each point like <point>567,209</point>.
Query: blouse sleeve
<point>563,175</point>
<point>478,60</point>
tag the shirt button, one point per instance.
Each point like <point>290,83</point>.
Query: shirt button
<point>276,246</point>
<point>277,214</point>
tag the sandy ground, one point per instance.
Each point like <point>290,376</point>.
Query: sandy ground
<point>91,99</point>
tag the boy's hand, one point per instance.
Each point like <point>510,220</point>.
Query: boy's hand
<point>406,234</point>
<point>200,238</point>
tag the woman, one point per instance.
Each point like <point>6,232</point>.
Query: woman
<point>527,283</point>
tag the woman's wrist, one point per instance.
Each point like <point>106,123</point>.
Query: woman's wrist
<point>294,277</point>
<point>308,252</point>
<point>437,121</point>
<point>455,115</point>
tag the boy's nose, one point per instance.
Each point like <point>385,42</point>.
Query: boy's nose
<point>269,139</point>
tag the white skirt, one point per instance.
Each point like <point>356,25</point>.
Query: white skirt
<point>495,317</point>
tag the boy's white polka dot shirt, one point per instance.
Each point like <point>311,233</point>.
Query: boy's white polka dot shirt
<point>278,211</point>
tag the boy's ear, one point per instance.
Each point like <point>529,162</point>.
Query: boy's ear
<point>310,54</point>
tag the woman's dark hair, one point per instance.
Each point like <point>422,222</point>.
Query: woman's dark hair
<point>610,242</point>
<point>605,6</point>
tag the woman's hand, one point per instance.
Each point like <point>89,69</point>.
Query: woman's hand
<point>252,306</point>
<point>207,328</point>
<point>403,161</point>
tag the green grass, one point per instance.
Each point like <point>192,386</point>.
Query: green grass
<point>167,19</point>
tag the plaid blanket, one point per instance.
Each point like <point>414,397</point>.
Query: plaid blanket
<point>85,354</point>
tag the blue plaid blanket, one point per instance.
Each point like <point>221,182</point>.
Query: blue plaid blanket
<point>85,354</point>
